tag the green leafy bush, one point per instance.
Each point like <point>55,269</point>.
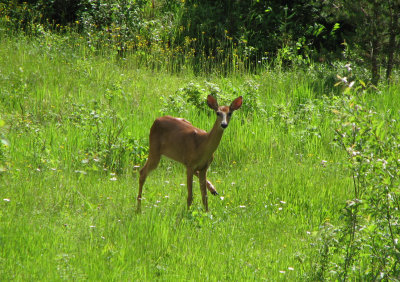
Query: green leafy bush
<point>193,97</point>
<point>365,246</point>
<point>116,23</point>
<point>105,146</point>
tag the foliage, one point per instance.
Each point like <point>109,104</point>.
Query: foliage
<point>201,35</point>
<point>257,29</point>
<point>106,148</point>
<point>192,97</point>
<point>223,36</point>
<point>17,16</point>
<point>365,246</point>
<point>372,31</point>
<point>117,23</point>
<point>184,100</point>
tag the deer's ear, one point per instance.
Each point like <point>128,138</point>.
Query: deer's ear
<point>236,104</point>
<point>212,102</point>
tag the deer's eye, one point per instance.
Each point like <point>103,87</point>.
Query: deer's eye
<point>229,114</point>
<point>219,114</point>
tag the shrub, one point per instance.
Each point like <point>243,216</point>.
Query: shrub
<point>365,246</point>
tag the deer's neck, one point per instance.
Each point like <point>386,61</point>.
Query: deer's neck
<point>213,138</point>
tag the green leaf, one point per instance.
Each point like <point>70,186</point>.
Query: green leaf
<point>335,27</point>
<point>379,132</point>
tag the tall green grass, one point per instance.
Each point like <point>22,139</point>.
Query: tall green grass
<point>77,124</point>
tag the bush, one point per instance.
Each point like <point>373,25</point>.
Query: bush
<point>106,147</point>
<point>116,23</point>
<point>192,97</point>
<point>365,246</point>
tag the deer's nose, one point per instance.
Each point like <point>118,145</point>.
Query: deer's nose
<point>224,125</point>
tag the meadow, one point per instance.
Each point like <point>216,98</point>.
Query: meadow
<point>75,127</point>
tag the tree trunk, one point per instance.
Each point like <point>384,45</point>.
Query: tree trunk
<point>393,31</point>
<point>375,45</point>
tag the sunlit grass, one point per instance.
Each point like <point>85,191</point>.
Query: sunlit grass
<point>66,212</point>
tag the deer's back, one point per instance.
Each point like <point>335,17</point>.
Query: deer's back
<point>176,138</point>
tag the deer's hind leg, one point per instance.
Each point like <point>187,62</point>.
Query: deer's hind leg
<point>209,185</point>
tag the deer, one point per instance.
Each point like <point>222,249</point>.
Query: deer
<point>179,140</point>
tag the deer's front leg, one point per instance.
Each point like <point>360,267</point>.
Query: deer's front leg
<point>189,174</point>
<point>203,187</point>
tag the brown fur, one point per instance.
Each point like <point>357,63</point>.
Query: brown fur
<point>178,139</point>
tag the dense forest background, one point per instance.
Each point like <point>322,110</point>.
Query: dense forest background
<point>231,34</point>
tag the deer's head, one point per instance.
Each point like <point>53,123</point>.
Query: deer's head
<point>224,113</point>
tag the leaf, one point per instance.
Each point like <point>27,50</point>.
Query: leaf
<point>336,26</point>
<point>379,132</point>
<point>371,227</point>
<point>319,31</point>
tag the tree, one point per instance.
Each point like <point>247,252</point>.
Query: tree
<point>394,14</point>
<point>373,31</point>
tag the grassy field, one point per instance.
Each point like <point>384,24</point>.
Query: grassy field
<point>77,125</point>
